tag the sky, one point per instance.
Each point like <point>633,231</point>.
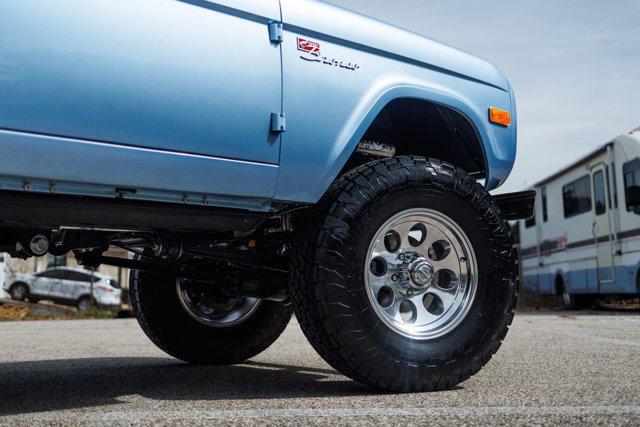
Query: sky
<point>574,65</point>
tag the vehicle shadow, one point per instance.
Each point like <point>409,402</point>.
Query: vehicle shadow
<point>37,386</point>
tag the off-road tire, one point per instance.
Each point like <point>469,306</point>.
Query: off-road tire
<point>330,297</point>
<point>163,319</point>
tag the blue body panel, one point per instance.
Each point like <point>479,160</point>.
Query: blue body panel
<point>173,98</point>
<point>150,73</point>
<point>584,281</point>
<point>63,158</point>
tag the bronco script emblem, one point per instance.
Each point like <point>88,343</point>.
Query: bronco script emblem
<point>312,53</point>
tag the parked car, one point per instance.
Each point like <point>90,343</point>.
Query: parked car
<point>65,285</point>
<point>583,240</point>
<point>259,156</point>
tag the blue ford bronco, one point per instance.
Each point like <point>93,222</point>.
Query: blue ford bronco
<point>260,158</point>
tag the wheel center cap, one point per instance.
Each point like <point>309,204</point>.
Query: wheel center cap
<point>421,273</point>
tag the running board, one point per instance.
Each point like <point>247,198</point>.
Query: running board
<point>39,211</point>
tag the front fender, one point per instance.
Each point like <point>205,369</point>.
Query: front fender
<point>296,183</point>
<point>330,107</point>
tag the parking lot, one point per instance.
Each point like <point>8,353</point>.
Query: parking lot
<point>552,368</point>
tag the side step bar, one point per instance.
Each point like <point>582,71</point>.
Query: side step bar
<point>53,211</point>
<point>518,205</point>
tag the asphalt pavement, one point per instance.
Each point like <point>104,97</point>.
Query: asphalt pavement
<point>552,368</point>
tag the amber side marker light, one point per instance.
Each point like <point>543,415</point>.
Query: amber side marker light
<point>500,117</point>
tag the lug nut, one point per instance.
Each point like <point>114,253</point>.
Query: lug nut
<point>394,277</point>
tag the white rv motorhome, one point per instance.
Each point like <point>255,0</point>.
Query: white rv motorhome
<point>584,239</point>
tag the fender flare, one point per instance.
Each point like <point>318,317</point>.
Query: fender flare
<point>365,115</point>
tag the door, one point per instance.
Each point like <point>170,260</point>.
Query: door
<point>41,285</point>
<point>56,283</point>
<point>77,284</point>
<point>47,284</point>
<point>602,226</point>
<point>180,85</point>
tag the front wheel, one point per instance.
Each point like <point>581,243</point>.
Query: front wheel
<point>19,292</point>
<point>407,278</point>
<point>190,322</point>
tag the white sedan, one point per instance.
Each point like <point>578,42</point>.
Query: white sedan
<point>66,285</point>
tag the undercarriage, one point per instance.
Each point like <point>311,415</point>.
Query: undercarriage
<point>236,253</point>
<point>240,253</point>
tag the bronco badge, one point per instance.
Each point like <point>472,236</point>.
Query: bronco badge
<point>311,53</point>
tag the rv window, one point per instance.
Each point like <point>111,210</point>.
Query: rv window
<point>599,196</point>
<point>631,172</point>
<point>577,197</point>
<point>530,222</point>
<point>545,217</point>
<point>611,186</point>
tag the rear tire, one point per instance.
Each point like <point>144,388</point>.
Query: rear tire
<point>176,331</point>
<point>19,292</point>
<point>569,301</point>
<point>573,302</point>
<point>85,304</point>
<point>332,291</point>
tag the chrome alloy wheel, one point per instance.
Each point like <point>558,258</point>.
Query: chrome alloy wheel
<point>214,313</point>
<point>421,274</point>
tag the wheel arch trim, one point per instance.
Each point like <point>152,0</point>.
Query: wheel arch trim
<point>559,273</point>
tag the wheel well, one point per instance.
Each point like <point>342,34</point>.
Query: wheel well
<point>559,282</point>
<point>14,284</point>
<point>419,127</point>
